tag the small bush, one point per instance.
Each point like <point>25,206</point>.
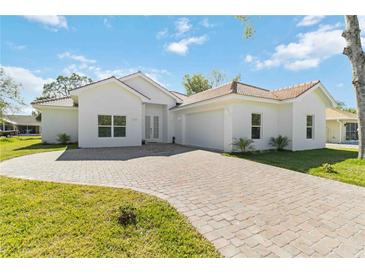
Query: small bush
<point>63,138</point>
<point>279,142</point>
<point>328,168</point>
<point>127,215</point>
<point>243,144</point>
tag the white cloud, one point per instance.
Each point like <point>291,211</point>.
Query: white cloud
<point>79,58</point>
<point>162,34</point>
<point>310,49</point>
<point>107,23</point>
<point>32,85</point>
<point>249,58</point>
<point>302,64</point>
<point>155,74</point>
<point>14,46</point>
<point>182,25</point>
<point>53,22</point>
<point>310,20</point>
<point>340,85</point>
<point>205,23</point>
<point>182,47</point>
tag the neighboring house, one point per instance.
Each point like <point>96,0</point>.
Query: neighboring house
<point>124,111</point>
<point>24,124</point>
<point>341,126</point>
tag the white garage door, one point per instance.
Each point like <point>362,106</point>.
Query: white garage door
<point>205,129</point>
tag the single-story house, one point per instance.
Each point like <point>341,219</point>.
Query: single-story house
<point>129,110</point>
<point>342,126</point>
<point>24,124</point>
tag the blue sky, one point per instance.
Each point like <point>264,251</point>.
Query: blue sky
<point>284,50</point>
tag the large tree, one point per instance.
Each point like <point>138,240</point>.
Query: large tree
<point>355,54</point>
<point>195,83</point>
<point>62,86</point>
<point>198,82</point>
<point>10,98</point>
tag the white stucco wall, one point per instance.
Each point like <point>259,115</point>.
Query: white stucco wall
<point>242,122</point>
<point>56,121</point>
<point>310,103</point>
<point>160,98</point>
<point>156,95</point>
<point>109,99</point>
<point>285,122</point>
<point>336,130</point>
<point>333,132</point>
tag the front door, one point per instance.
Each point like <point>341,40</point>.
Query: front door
<point>152,128</point>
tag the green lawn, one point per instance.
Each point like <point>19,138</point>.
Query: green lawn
<point>42,219</point>
<point>347,168</point>
<point>18,146</point>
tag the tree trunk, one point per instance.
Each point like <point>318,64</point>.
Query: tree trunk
<point>356,55</point>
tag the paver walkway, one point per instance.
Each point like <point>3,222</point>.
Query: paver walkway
<point>245,208</point>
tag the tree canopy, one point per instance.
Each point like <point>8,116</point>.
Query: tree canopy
<point>198,82</point>
<point>62,85</point>
<point>10,97</point>
<point>195,83</point>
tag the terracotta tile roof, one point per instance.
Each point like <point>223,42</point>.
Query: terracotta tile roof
<point>209,94</point>
<point>249,90</point>
<point>337,114</point>
<point>58,102</point>
<point>293,91</point>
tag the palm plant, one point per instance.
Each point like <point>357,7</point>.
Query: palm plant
<point>243,144</point>
<point>279,142</point>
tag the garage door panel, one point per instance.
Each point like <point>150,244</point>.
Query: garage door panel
<point>205,129</point>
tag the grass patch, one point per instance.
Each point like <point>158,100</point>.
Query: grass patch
<point>347,167</point>
<point>42,219</point>
<point>23,145</point>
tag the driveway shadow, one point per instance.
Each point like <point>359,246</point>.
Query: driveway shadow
<point>123,153</point>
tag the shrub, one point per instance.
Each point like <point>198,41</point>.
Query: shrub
<point>279,142</point>
<point>127,215</point>
<point>63,138</point>
<point>243,144</point>
<point>328,168</point>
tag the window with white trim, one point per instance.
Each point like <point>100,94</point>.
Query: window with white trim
<point>104,126</point>
<point>310,126</point>
<point>256,124</point>
<point>119,126</point>
<point>112,125</point>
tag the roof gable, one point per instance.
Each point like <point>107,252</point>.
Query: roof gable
<point>161,88</point>
<point>77,91</point>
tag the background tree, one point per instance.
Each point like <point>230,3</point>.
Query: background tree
<point>217,78</point>
<point>37,115</point>
<point>10,98</point>
<point>356,55</point>
<point>62,86</point>
<point>195,83</point>
<point>198,82</point>
<point>342,106</point>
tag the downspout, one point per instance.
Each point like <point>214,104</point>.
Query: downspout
<point>339,122</point>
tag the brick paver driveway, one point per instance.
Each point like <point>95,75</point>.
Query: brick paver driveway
<point>245,208</point>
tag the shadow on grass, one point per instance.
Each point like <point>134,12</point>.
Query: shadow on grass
<point>300,161</point>
<point>47,146</point>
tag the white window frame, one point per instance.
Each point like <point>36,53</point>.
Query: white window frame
<point>312,126</point>
<point>125,127</point>
<point>111,126</point>
<point>260,126</point>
